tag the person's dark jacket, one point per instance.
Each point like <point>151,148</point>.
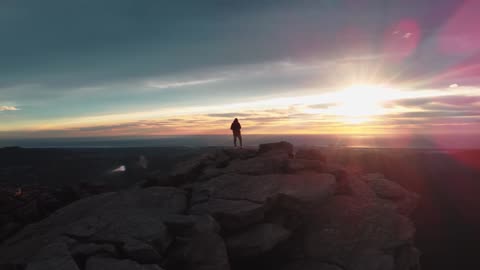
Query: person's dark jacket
<point>236,127</point>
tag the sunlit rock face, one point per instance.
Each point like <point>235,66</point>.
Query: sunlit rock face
<point>232,209</point>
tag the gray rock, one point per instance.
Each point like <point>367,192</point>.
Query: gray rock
<point>86,227</point>
<point>141,252</point>
<point>266,203</point>
<point>305,187</point>
<point>231,214</point>
<point>53,263</point>
<point>190,169</point>
<point>360,189</point>
<point>276,148</point>
<point>8,228</point>
<point>164,200</point>
<point>89,249</point>
<point>53,256</point>
<point>301,165</point>
<point>310,154</point>
<point>104,263</point>
<point>240,153</point>
<point>347,226</point>
<point>190,224</point>
<point>402,200</point>
<point>255,166</point>
<point>255,241</point>
<point>221,159</point>
<point>158,178</point>
<point>210,172</point>
<point>407,258</point>
<point>310,265</point>
<point>206,223</point>
<point>372,260</point>
<point>207,251</point>
<point>384,188</point>
<point>135,223</point>
<point>109,217</point>
<point>237,201</point>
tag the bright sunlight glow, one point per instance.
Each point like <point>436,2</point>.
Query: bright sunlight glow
<point>359,104</point>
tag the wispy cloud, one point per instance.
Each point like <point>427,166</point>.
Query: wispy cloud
<point>177,84</point>
<point>229,115</point>
<point>8,108</point>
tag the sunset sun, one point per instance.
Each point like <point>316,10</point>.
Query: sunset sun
<point>360,103</point>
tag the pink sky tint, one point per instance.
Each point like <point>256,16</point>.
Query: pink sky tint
<point>460,35</point>
<point>401,39</point>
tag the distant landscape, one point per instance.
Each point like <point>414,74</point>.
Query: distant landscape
<point>433,142</point>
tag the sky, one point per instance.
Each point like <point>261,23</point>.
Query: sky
<point>150,67</point>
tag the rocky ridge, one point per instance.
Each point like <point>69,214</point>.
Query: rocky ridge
<point>231,209</point>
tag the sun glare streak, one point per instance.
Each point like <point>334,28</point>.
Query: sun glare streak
<point>361,103</point>
<point>355,105</point>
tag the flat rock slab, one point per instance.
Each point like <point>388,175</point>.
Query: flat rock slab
<point>104,263</point>
<point>298,165</point>
<point>310,265</point>
<point>402,200</point>
<point>231,214</point>
<point>310,154</point>
<point>237,201</point>
<point>207,251</point>
<point>141,252</point>
<point>305,187</point>
<point>256,166</point>
<point>53,256</point>
<point>89,249</point>
<point>345,227</point>
<point>257,240</point>
<point>276,148</point>
<point>108,217</point>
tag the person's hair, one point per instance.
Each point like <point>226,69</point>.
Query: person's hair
<point>236,120</point>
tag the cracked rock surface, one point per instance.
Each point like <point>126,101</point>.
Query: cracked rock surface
<point>231,209</point>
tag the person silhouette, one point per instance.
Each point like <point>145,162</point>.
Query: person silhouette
<point>235,127</point>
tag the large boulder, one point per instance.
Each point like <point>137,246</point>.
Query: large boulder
<point>231,214</point>
<point>373,260</point>
<point>104,218</point>
<point>191,169</point>
<point>384,188</point>
<point>28,204</point>
<point>391,193</point>
<point>252,166</point>
<point>407,258</point>
<point>213,163</point>
<point>310,154</point>
<point>104,263</point>
<point>257,166</point>
<point>191,224</point>
<point>141,252</point>
<point>276,148</point>
<point>301,165</point>
<point>257,240</point>
<point>207,251</point>
<point>53,256</point>
<point>305,187</point>
<point>347,226</point>
<point>240,153</point>
<point>310,265</point>
<point>237,201</point>
<point>81,251</point>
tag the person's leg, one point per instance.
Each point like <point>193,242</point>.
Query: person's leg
<point>234,140</point>
<point>240,139</point>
